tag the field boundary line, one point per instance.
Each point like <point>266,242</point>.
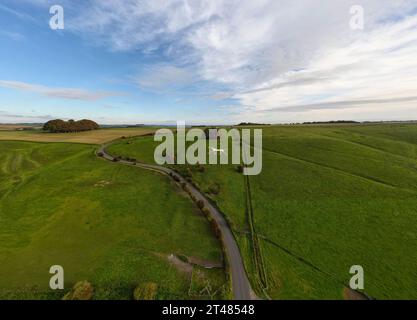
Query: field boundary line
<point>372,147</point>
<point>382,183</point>
<point>257,252</point>
<point>314,267</point>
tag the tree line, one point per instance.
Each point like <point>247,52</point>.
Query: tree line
<point>61,126</point>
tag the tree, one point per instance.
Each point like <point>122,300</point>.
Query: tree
<point>54,125</point>
<point>200,204</point>
<point>61,126</point>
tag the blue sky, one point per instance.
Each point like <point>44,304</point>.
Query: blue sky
<point>206,61</point>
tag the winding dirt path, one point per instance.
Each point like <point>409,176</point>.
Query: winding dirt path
<point>240,283</point>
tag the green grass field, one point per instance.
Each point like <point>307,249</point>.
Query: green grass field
<point>110,224</point>
<point>328,197</point>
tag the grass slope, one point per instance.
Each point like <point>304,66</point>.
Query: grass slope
<point>109,224</point>
<point>328,197</point>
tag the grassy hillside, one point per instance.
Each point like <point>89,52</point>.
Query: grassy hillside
<point>112,225</point>
<point>328,197</point>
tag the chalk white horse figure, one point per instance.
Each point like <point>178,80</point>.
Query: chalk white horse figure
<point>217,150</point>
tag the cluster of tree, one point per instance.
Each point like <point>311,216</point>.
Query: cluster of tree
<point>332,122</point>
<point>246,124</point>
<point>61,126</point>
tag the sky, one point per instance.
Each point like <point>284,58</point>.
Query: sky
<point>208,61</point>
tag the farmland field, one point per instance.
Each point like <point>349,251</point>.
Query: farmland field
<point>112,225</point>
<point>328,198</point>
<point>90,137</point>
<point>11,127</point>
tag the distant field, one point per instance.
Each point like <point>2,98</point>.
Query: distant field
<point>90,137</point>
<point>328,197</point>
<point>13,127</point>
<point>110,224</point>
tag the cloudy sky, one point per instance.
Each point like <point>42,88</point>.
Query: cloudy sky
<point>208,61</point>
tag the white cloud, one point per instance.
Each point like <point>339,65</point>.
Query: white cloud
<point>270,54</point>
<point>163,76</point>
<point>12,35</point>
<point>62,93</point>
<point>379,66</point>
<point>19,14</point>
<point>6,117</point>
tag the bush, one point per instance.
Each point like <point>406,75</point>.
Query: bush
<point>146,291</point>
<point>200,204</point>
<point>189,173</point>
<point>200,168</point>
<point>215,228</point>
<point>82,290</point>
<point>206,211</point>
<point>214,188</point>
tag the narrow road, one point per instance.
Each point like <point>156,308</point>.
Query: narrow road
<point>240,283</point>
